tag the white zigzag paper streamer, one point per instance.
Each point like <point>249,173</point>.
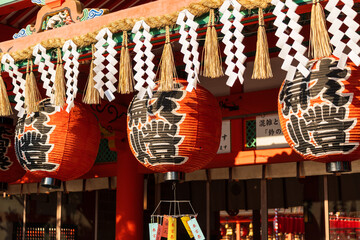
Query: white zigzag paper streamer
<point>294,34</point>
<point>239,56</point>
<point>191,67</point>
<point>140,63</point>
<point>71,67</point>
<point>47,76</point>
<point>17,81</point>
<point>338,35</point>
<point>108,88</point>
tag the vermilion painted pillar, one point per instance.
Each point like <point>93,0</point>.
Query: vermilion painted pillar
<point>129,197</point>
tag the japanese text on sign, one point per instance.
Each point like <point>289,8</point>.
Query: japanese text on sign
<point>225,142</point>
<point>268,132</point>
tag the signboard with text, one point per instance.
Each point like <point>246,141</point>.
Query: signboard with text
<point>268,132</point>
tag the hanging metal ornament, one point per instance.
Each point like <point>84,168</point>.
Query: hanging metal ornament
<point>18,82</point>
<point>71,67</point>
<point>141,39</point>
<point>289,64</point>
<point>233,39</point>
<point>192,67</point>
<point>105,44</point>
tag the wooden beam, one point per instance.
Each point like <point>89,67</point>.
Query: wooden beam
<point>14,5</point>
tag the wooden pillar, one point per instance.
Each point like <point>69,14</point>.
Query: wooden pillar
<point>96,215</point>
<point>129,197</point>
<point>208,210</point>
<point>238,230</point>
<point>24,218</point>
<point>58,216</point>
<point>264,210</point>
<point>326,209</point>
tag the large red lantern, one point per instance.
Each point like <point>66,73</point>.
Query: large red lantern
<point>10,169</point>
<point>175,131</point>
<point>319,114</point>
<point>55,144</point>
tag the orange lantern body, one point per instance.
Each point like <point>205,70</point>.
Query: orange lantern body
<point>57,144</point>
<point>319,114</point>
<point>176,131</point>
<point>10,169</point>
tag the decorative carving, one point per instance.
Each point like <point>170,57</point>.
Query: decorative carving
<point>58,13</point>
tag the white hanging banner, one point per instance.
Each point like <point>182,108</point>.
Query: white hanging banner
<point>154,231</point>
<point>105,44</point>
<point>47,75</point>
<point>338,34</point>
<point>233,39</point>
<point>141,39</point>
<point>282,34</point>
<point>17,81</point>
<point>225,139</point>
<point>195,229</point>
<point>191,66</point>
<point>71,67</point>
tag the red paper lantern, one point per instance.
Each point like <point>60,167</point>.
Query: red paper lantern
<point>319,114</point>
<point>57,144</point>
<point>175,131</point>
<point>10,169</point>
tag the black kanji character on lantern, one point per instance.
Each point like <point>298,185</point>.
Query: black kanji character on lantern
<point>5,162</point>
<point>32,151</point>
<point>138,112</point>
<point>295,94</point>
<point>32,148</point>
<point>139,145</point>
<point>163,139</point>
<point>323,81</point>
<point>322,130</point>
<point>326,77</point>
<point>154,127</point>
<point>165,104</point>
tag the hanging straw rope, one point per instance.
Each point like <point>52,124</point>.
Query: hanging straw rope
<point>319,37</point>
<point>59,84</point>
<point>32,93</point>
<point>211,52</point>
<point>262,66</point>
<point>92,95</point>
<point>126,24</point>
<point>167,66</point>
<point>126,77</point>
<point>5,107</point>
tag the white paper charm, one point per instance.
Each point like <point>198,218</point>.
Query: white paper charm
<point>233,39</point>
<point>294,34</point>
<point>17,81</point>
<point>338,35</point>
<point>71,67</point>
<point>105,44</point>
<point>191,66</point>
<point>141,39</point>
<point>195,229</point>
<point>47,75</point>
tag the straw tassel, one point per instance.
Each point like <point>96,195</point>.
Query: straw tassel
<point>126,77</point>
<point>59,95</point>
<point>211,52</point>
<point>92,95</point>
<point>319,37</point>
<point>32,93</point>
<point>167,66</point>
<point>262,66</point>
<point>5,107</point>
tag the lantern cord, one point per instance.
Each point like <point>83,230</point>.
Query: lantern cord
<point>174,190</point>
